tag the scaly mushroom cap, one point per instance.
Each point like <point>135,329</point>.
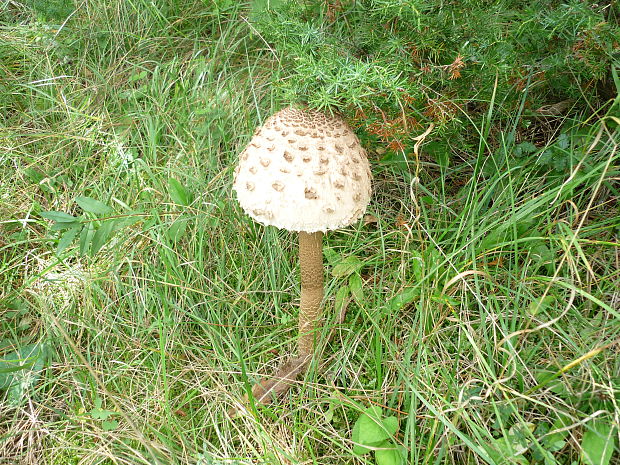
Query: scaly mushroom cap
<point>303,171</point>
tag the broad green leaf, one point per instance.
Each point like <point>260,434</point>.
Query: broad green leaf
<point>363,423</point>
<point>347,266</point>
<point>91,205</point>
<point>518,437</point>
<point>391,425</point>
<point>178,193</point>
<point>86,236</point>
<point>370,430</point>
<point>6,368</point>
<point>126,222</point>
<point>177,229</point>
<point>598,443</point>
<point>389,456</point>
<point>358,449</point>
<point>21,369</point>
<point>18,360</point>
<point>67,238</point>
<point>109,425</point>
<point>341,299</point>
<point>59,217</point>
<point>101,237</point>
<point>64,226</point>
<point>404,297</point>
<point>332,257</point>
<point>355,284</point>
<point>99,413</point>
<point>555,441</point>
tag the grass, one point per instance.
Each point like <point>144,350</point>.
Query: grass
<point>487,321</point>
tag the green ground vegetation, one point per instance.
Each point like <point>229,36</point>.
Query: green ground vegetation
<point>482,290</point>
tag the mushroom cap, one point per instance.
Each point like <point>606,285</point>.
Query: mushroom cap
<point>303,171</point>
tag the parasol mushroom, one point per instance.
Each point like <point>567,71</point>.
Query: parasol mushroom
<point>306,172</point>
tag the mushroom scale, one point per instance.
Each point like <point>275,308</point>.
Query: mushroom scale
<point>303,171</point>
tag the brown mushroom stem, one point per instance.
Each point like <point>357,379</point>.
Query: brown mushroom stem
<point>311,270</point>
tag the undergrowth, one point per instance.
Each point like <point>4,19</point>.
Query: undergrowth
<point>138,303</point>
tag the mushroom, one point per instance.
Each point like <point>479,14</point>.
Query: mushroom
<point>306,172</point>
